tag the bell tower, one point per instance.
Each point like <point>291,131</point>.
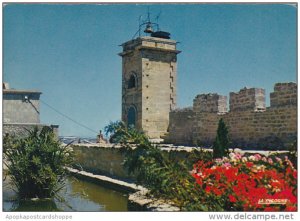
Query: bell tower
<point>149,69</point>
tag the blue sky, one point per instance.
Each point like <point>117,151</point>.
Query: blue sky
<point>69,52</point>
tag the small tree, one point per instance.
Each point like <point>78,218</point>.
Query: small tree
<point>37,163</point>
<point>118,132</point>
<point>221,144</point>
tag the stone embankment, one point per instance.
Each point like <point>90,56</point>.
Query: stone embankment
<point>138,200</point>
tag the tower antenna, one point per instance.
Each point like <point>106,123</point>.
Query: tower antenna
<point>151,28</point>
<point>156,18</point>
<point>148,13</point>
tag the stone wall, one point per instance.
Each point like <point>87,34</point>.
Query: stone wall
<point>252,125</point>
<point>284,94</point>
<point>181,125</point>
<point>252,98</point>
<point>107,160</point>
<point>210,103</point>
<point>21,130</point>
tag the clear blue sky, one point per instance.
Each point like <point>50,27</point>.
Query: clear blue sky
<point>69,52</point>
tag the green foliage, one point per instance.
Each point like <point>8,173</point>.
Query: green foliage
<point>119,133</point>
<point>160,171</point>
<point>293,153</point>
<point>198,154</point>
<point>37,163</point>
<point>221,144</point>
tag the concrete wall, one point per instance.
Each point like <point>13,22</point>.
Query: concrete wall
<point>250,125</point>
<point>21,106</point>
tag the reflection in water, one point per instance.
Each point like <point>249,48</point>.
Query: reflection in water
<point>38,205</point>
<point>77,195</point>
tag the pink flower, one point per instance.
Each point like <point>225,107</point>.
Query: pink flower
<point>238,156</point>
<point>226,165</point>
<point>270,161</point>
<point>257,157</point>
<point>286,158</point>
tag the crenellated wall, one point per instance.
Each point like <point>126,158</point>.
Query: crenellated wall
<point>248,98</point>
<point>210,103</point>
<point>284,94</point>
<point>250,123</point>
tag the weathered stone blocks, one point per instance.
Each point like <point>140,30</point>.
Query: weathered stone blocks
<point>284,94</point>
<point>152,62</point>
<point>245,99</point>
<point>210,103</point>
<point>250,123</point>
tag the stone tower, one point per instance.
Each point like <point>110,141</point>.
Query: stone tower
<point>149,68</point>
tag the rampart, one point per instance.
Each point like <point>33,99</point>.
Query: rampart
<point>108,159</point>
<point>250,123</point>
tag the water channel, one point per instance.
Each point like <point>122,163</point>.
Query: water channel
<point>77,195</point>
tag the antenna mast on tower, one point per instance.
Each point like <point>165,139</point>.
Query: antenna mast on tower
<point>151,28</point>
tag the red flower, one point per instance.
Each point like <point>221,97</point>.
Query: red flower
<point>295,174</point>
<point>291,208</point>
<point>245,187</point>
<point>208,189</point>
<point>249,164</point>
<point>269,209</point>
<point>232,198</point>
<point>217,191</point>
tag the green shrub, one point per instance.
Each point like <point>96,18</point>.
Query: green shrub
<point>293,153</point>
<point>118,132</point>
<point>161,172</point>
<point>221,144</point>
<point>37,163</point>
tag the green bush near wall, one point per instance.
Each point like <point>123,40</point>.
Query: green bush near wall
<point>36,163</point>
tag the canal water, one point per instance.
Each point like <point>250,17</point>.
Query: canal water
<point>77,195</point>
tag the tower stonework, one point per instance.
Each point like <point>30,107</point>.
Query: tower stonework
<point>149,69</point>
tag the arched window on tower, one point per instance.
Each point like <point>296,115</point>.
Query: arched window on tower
<point>132,82</point>
<point>131,117</point>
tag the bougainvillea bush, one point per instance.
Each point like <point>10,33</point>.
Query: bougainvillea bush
<point>253,183</point>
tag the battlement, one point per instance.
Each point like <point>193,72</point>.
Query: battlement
<point>250,123</point>
<point>213,103</point>
<point>284,94</point>
<point>248,99</point>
